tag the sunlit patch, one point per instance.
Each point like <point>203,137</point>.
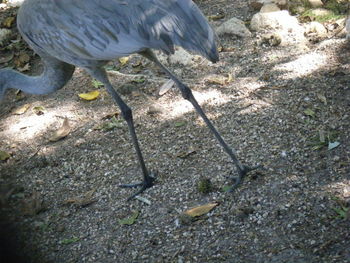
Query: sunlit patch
<point>302,66</point>
<point>181,106</point>
<point>28,127</point>
<point>214,98</point>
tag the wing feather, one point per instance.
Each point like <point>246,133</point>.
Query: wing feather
<point>78,30</point>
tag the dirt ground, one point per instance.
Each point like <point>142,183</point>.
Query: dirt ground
<point>282,107</point>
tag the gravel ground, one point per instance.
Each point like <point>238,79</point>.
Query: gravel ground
<point>60,201</point>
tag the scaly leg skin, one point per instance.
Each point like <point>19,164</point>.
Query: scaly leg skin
<point>187,94</point>
<point>148,178</point>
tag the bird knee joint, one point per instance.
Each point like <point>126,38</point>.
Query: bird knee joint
<point>187,94</point>
<point>127,114</point>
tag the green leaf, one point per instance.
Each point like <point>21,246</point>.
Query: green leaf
<point>129,220</point>
<point>341,211</point>
<point>140,80</point>
<point>68,241</point>
<point>332,145</point>
<point>96,83</point>
<point>110,125</point>
<point>226,188</point>
<point>39,110</point>
<point>309,112</point>
<point>180,124</point>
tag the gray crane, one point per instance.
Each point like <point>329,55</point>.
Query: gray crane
<point>89,33</point>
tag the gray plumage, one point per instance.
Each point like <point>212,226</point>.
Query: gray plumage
<point>89,33</point>
<point>77,31</point>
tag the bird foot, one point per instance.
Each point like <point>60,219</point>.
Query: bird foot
<point>148,182</point>
<point>241,174</point>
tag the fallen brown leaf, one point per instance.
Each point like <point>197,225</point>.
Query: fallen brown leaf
<point>61,132</point>
<point>84,200</point>
<point>21,110</point>
<point>8,21</point>
<point>4,156</point>
<point>33,205</point>
<point>201,210</point>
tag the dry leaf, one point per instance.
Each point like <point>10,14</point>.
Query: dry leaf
<point>322,98</point>
<point>201,210</point>
<point>110,115</point>
<point>85,200</point>
<point>123,60</point>
<point>33,205</point>
<point>8,21</point>
<point>7,58</point>
<point>186,153</point>
<point>61,132</point>
<point>26,67</point>
<point>92,95</point>
<point>166,87</point>
<point>39,110</point>
<point>221,80</point>
<point>21,110</point>
<point>216,17</point>
<point>22,59</point>
<point>4,156</point>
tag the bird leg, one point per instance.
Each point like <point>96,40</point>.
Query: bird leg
<point>148,178</point>
<point>188,95</point>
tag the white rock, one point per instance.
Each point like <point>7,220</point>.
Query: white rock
<point>317,28</point>
<point>283,4</point>
<point>281,24</point>
<point>257,4</point>
<point>4,35</point>
<point>181,56</point>
<point>274,20</point>
<point>271,7</point>
<point>234,26</point>
<point>15,3</point>
<point>316,3</point>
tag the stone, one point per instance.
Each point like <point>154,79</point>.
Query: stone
<point>315,3</point>
<point>233,26</point>
<point>280,24</point>
<point>4,35</point>
<point>267,8</point>
<point>258,4</point>
<point>316,28</point>
<point>273,20</point>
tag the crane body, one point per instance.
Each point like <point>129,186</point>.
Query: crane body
<point>89,33</point>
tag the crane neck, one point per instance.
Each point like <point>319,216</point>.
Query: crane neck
<point>54,76</point>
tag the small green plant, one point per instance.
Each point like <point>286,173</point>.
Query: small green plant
<point>337,6</point>
<point>342,212</point>
<point>204,185</point>
<point>322,17</point>
<point>68,241</point>
<point>322,140</point>
<point>96,83</point>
